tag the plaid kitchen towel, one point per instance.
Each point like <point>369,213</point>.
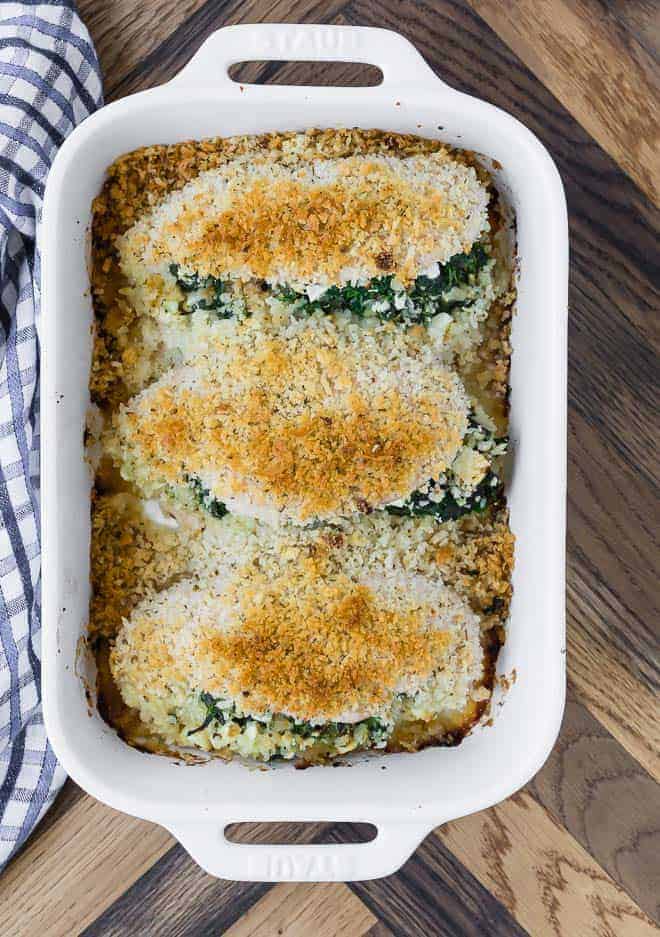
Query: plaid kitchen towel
<point>49,82</point>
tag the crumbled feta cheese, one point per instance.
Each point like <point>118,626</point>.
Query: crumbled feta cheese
<point>438,325</point>
<point>469,466</point>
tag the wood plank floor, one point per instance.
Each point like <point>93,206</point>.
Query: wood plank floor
<point>577,852</point>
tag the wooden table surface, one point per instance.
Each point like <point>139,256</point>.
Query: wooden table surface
<point>577,851</point>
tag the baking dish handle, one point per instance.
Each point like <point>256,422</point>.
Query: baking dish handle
<point>334,862</point>
<point>398,59</point>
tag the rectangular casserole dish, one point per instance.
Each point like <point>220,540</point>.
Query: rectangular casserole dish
<point>416,792</point>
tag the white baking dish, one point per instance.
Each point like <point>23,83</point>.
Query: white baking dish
<point>416,792</point>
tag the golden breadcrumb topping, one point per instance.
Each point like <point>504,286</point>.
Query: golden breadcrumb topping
<point>137,182</point>
<point>307,626</point>
<point>322,222</point>
<point>131,558</point>
<point>287,601</point>
<point>481,566</point>
<point>330,621</point>
<point>311,425</point>
<point>321,649</point>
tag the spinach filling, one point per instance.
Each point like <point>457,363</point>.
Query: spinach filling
<point>224,712</point>
<point>215,714</point>
<point>377,730</point>
<point>427,297</point>
<point>206,293</point>
<point>382,296</point>
<point>450,505</point>
<point>444,498</point>
<point>204,499</point>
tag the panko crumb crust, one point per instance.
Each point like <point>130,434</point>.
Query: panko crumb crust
<point>315,223</point>
<point>472,558</point>
<point>138,181</point>
<point>306,423</point>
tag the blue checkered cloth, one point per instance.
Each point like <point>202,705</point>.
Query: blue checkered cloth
<point>49,82</point>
